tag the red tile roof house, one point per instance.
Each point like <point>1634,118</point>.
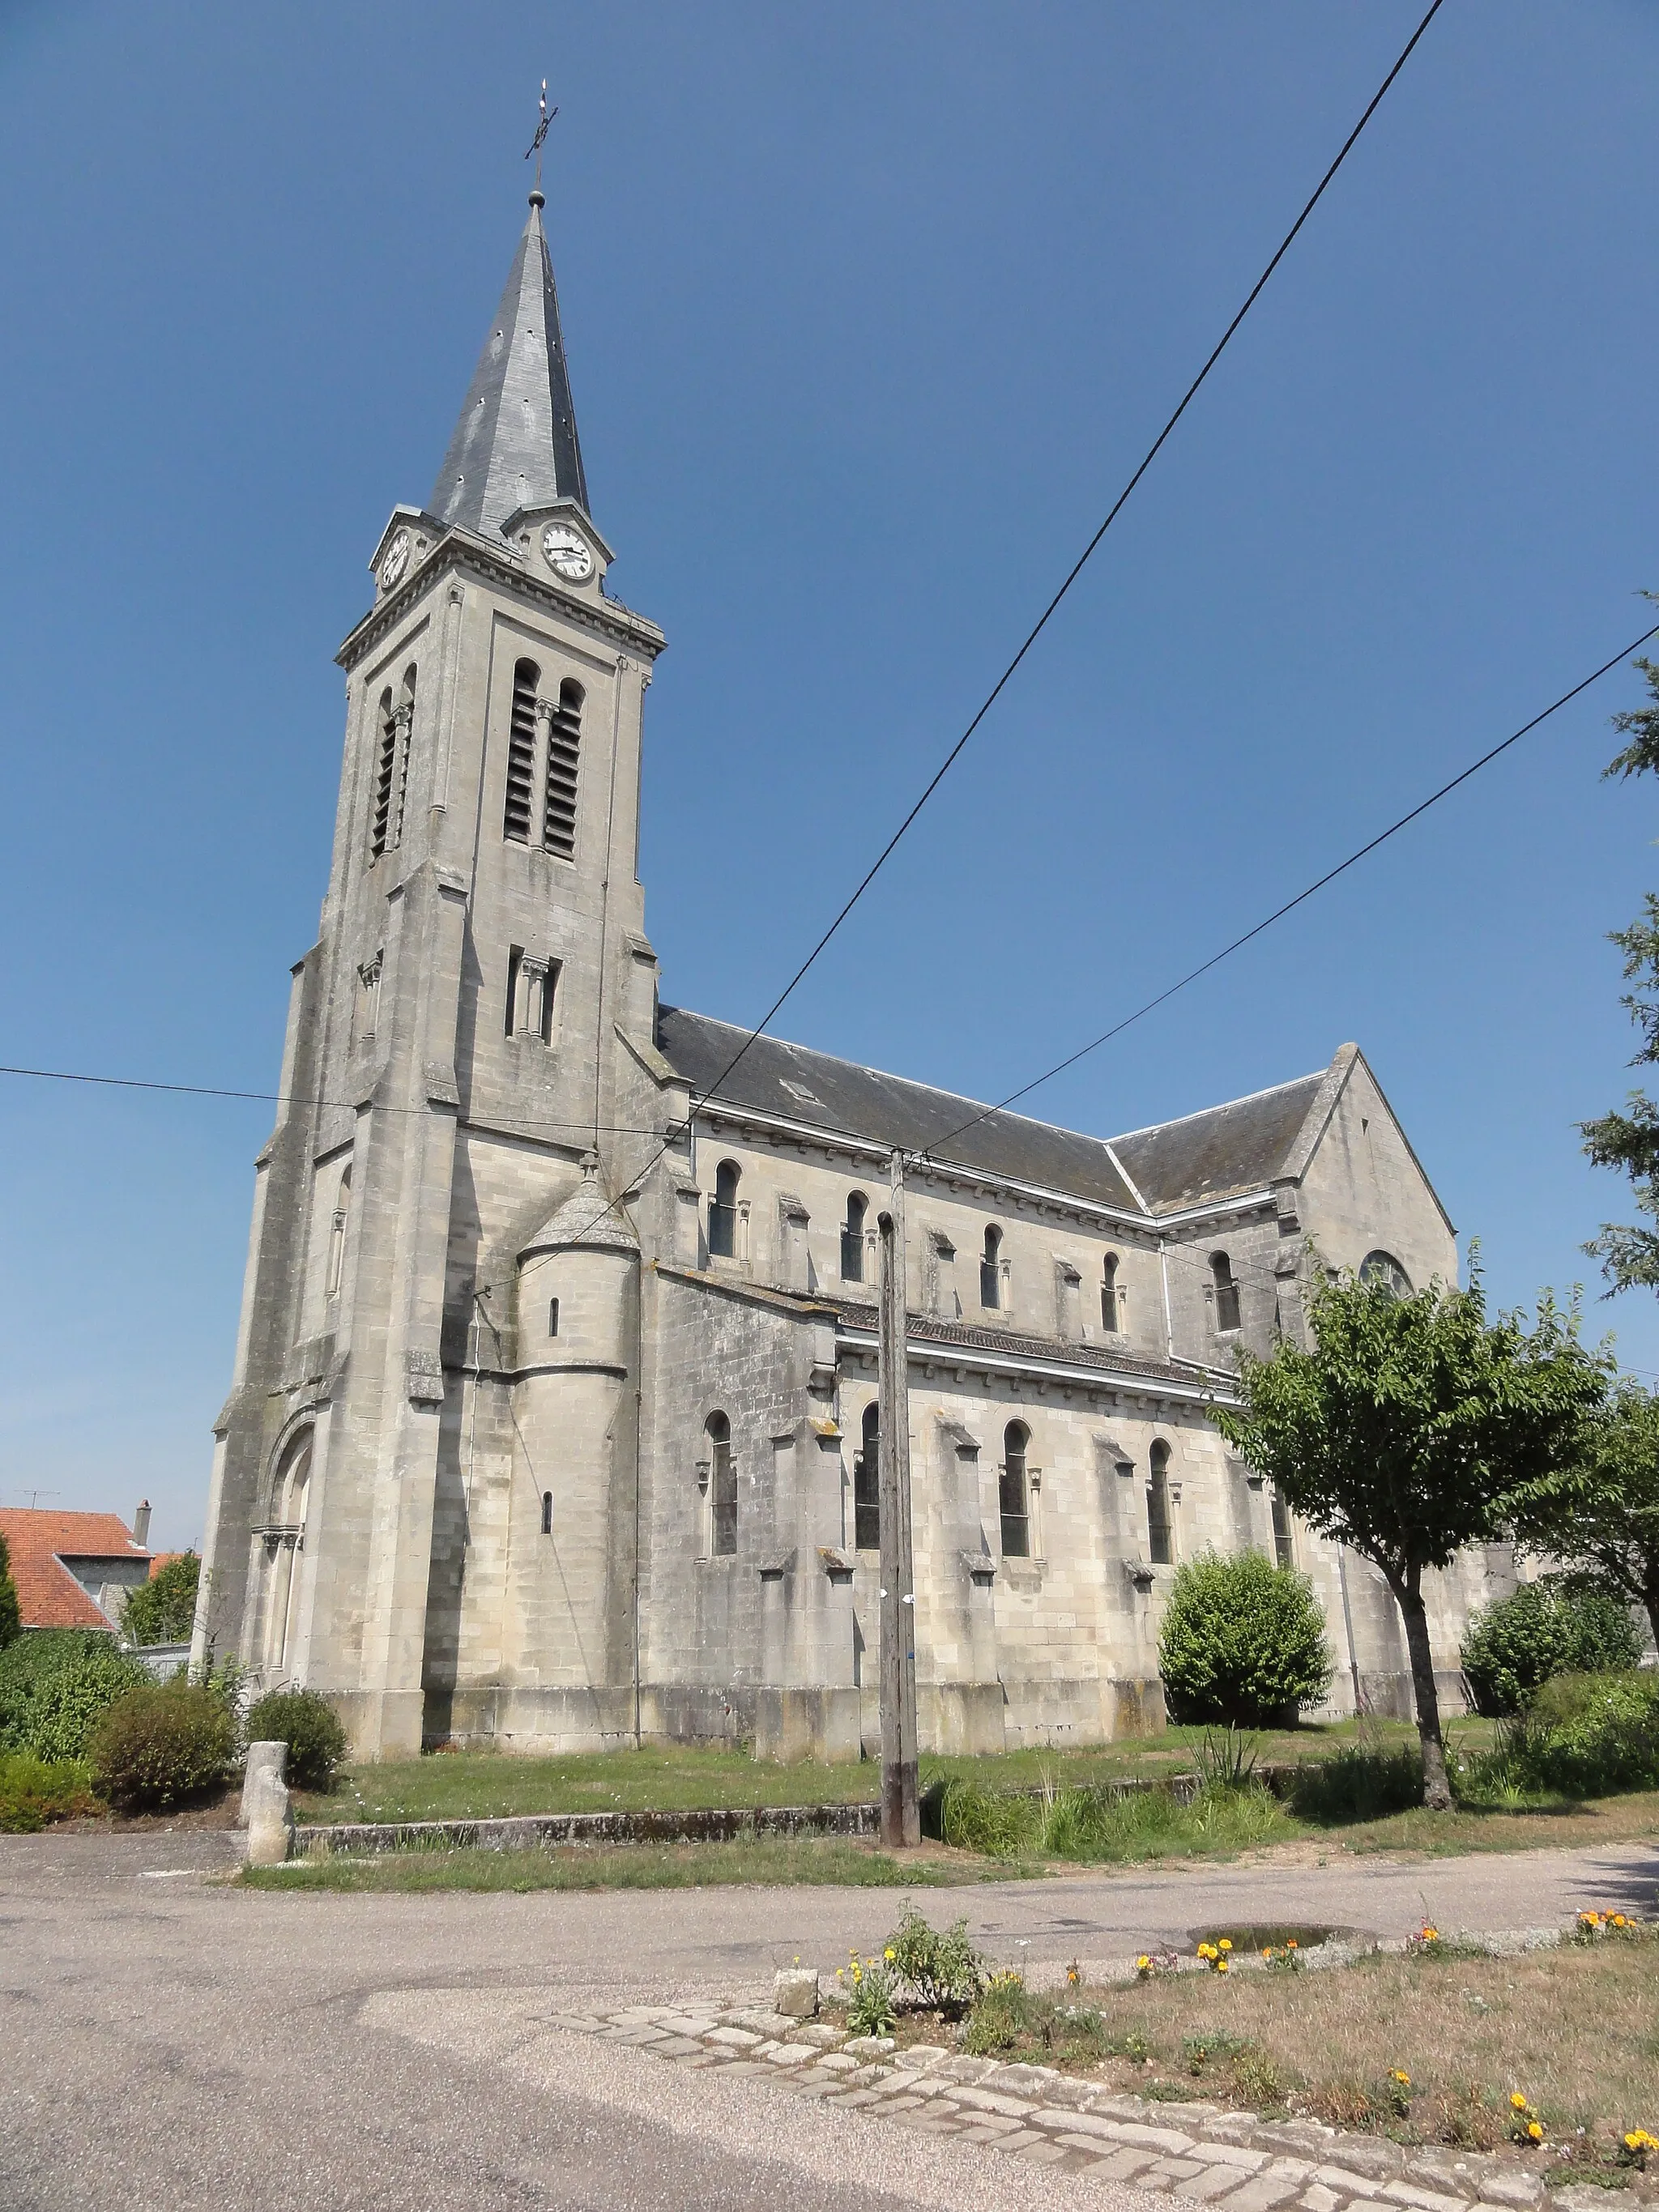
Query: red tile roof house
<point>74,1569</point>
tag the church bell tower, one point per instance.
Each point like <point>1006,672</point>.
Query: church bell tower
<point>460,1110</point>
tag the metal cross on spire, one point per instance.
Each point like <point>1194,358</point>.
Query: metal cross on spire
<point>538,142</point>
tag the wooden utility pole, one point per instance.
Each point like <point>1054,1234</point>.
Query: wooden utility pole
<point>901,1815</point>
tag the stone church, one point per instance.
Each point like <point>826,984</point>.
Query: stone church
<point>553,1422</point>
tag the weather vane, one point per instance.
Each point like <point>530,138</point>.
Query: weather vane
<point>535,143</point>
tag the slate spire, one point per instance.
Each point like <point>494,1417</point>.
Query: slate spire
<point>515,444</point>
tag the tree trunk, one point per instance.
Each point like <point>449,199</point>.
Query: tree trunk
<point>1437,1790</point>
<point>1650,1596</point>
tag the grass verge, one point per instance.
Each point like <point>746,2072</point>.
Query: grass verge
<point>1425,2048</point>
<point>762,1862</point>
<point>475,1786</point>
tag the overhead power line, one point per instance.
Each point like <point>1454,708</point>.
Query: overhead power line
<point>1081,562</point>
<point>292,1098</point>
<point>1301,896</point>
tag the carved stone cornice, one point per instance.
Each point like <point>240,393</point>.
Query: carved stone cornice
<point>461,552</point>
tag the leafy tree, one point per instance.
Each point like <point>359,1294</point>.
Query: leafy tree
<point>11,1619</point>
<point>1630,1141</point>
<point>163,1610</point>
<point>1604,1523</point>
<point>1243,1641</point>
<point>1413,1428</point>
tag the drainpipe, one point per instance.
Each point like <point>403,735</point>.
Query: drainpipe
<point>1169,1322</point>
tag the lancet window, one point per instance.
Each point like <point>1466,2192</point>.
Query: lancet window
<point>1013,1493</point>
<point>867,1483</point>
<point>722,1489</point>
<point>544,758</point>
<point>395,719</point>
<point>1226,1291</point>
<point>852,1238</point>
<point>1160,1531</point>
<point>990,1270</point>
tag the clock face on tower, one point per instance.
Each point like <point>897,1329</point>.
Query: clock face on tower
<point>396,561</point>
<point>568,552</point>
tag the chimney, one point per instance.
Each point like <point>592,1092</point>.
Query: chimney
<point>140,1523</point>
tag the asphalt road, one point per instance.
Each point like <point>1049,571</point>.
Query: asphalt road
<point>172,2044</point>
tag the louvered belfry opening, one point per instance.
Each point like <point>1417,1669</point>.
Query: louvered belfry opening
<point>385,771</point>
<point>521,754</point>
<point>564,736</point>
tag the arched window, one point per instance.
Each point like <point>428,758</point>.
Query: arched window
<point>990,1270</point>
<point>547,1513</point>
<point>722,1488</point>
<point>385,827</point>
<point>406,733</point>
<point>336,1235</point>
<point>852,1238</point>
<point>552,1316</point>
<point>1110,1315</point>
<point>1226,1291</point>
<point>723,1212</point>
<point>1160,1535</point>
<point>1382,1271</point>
<point>564,736</point>
<point>1284,1544</point>
<point>284,1539</point>
<point>521,754</point>
<point>386,767</point>
<point>867,1484</point>
<point>1012,1495</point>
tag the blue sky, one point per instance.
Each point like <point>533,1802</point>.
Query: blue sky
<point>871,310</point>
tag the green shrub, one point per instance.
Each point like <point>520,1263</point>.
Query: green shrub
<point>43,1651</point>
<point>51,1696</point>
<point>311,1729</point>
<point>163,1610</point>
<point>33,1792</point>
<point>161,1745</point>
<point>1584,1736</point>
<point>941,1966</point>
<point>1544,1629</point>
<point>1243,1642</point>
<point>11,1619</point>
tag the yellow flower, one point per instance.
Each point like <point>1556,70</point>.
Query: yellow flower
<point>1517,2100</point>
<point>1267,1955</point>
<point>1620,1921</point>
<point>1225,1944</point>
<point>889,1952</point>
<point>1534,2131</point>
<point>1290,1944</point>
<point>1143,1961</point>
<point>1404,2080</point>
<point>1221,1965</point>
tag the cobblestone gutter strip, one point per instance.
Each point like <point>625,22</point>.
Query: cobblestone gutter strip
<point>536,1831</point>
<point>1197,2151</point>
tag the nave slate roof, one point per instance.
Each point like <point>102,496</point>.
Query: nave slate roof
<point>1226,1149</point>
